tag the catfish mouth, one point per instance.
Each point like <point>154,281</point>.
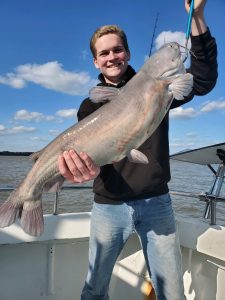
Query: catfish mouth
<point>174,72</point>
<point>177,66</point>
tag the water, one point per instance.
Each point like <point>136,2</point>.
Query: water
<point>186,177</point>
<point>14,168</point>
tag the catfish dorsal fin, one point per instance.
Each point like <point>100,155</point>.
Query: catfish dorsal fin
<point>34,156</point>
<point>103,93</point>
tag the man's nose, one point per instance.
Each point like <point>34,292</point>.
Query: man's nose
<point>112,55</point>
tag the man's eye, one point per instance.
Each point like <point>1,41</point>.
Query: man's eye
<point>118,50</point>
<point>103,53</point>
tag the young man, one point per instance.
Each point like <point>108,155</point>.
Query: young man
<point>133,197</point>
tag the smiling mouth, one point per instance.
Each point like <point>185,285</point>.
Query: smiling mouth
<point>114,66</point>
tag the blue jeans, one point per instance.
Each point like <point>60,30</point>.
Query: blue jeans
<point>153,220</point>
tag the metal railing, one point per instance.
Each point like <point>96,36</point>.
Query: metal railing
<point>211,198</point>
<point>55,205</point>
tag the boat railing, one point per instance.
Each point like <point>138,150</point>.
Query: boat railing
<point>56,196</point>
<point>211,201</point>
<point>211,198</point>
<point>55,207</point>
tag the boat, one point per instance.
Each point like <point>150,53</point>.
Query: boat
<point>54,265</point>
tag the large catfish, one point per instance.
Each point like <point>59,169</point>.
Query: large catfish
<point>129,117</point>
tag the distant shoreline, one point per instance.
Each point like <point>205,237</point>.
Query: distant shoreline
<point>10,153</point>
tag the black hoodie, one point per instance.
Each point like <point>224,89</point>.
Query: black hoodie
<point>125,180</point>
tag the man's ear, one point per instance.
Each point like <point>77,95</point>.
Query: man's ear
<point>95,63</point>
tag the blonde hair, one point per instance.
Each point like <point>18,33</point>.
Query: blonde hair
<point>107,29</point>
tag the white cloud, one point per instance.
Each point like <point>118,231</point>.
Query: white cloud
<point>16,130</point>
<point>67,113</point>
<point>168,37</point>
<point>183,113</point>
<point>191,135</point>
<point>188,113</point>
<point>36,138</point>
<point>52,76</point>
<point>184,143</point>
<point>25,115</point>
<point>13,81</point>
<point>84,54</point>
<point>2,128</point>
<point>21,129</point>
<point>213,105</point>
<point>181,144</point>
<point>54,132</point>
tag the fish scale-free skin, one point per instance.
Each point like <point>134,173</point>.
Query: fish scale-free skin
<point>107,135</point>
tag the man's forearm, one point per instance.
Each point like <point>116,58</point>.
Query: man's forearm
<point>198,25</point>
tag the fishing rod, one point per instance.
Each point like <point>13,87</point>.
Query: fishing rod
<point>153,35</point>
<point>188,31</point>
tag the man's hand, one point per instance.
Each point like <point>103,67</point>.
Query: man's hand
<point>198,25</point>
<point>77,167</point>
<point>199,5</point>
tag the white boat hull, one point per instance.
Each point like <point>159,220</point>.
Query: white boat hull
<point>54,265</point>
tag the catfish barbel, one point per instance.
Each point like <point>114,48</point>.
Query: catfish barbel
<point>114,131</point>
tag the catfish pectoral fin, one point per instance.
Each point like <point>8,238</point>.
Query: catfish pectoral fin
<point>137,156</point>
<point>32,220</point>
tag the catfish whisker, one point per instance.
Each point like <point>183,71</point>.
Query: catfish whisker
<point>187,51</point>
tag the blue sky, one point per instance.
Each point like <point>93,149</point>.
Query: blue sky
<point>47,69</point>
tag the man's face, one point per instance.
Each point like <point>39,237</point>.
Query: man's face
<point>111,57</point>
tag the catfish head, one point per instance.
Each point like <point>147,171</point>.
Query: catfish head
<point>166,63</point>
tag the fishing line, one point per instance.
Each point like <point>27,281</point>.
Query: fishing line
<point>187,51</point>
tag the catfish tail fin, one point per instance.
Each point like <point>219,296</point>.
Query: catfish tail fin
<point>30,212</point>
<point>32,220</point>
<point>9,211</point>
